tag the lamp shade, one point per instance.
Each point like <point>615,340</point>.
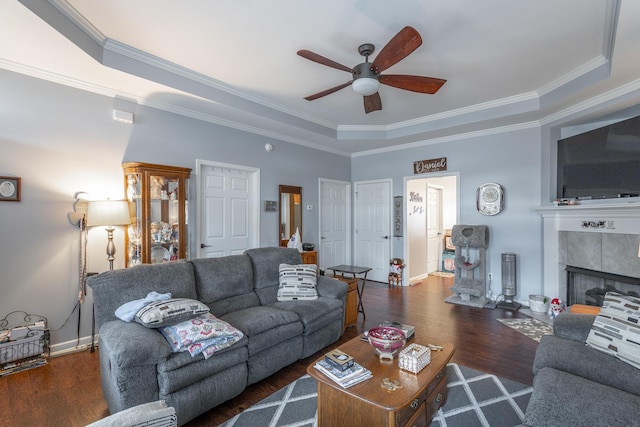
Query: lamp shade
<point>108,212</point>
<point>365,86</point>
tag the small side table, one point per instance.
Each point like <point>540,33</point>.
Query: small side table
<point>354,271</point>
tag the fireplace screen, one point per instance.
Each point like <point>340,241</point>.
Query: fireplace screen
<point>589,286</point>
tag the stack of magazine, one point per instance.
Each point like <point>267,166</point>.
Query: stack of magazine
<point>351,376</point>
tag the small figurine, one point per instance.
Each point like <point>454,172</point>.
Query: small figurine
<point>557,307</point>
<point>396,265</point>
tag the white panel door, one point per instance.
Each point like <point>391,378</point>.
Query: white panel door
<point>335,202</point>
<point>434,227</point>
<point>373,227</point>
<point>228,210</point>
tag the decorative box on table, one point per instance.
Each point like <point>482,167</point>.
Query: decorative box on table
<point>414,358</point>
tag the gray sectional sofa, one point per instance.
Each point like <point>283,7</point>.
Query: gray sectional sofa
<point>576,385</point>
<point>138,366</point>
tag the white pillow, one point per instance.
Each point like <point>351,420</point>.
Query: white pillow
<point>616,330</point>
<point>169,312</point>
<point>297,282</point>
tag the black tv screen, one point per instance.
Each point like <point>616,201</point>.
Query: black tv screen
<point>602,163</point>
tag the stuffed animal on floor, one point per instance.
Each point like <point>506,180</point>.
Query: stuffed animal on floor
<point>557,307</point>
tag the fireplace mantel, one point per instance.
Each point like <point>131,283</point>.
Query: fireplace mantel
<point>622,218</point>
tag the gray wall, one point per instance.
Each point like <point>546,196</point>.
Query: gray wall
<point>61,140</point>
<point>512,159</point>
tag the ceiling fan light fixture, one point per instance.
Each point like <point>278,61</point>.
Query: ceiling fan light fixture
<point>365,86</point>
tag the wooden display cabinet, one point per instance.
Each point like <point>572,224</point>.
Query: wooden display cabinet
<point>158,203</point>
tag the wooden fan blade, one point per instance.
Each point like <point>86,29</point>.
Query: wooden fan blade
<point>372,103</point>
<point>311,56</point>
<point>327,92</point>
<point>399,47</point>
<point>413,83</point>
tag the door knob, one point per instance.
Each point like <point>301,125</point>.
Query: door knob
<point>202,246</point>
<point>385,237</point>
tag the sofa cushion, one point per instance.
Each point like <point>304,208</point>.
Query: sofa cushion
<point>225,284</point>
<point>175,310</point>
<point>266,270</point>
<point>113,288</point>
<point>313,314</point>
<point>562,399</point>
<point>203,334</point>
<point>616,329</point>
<point>297,282</point>
<point>265,326</point>
<point>576,358</point>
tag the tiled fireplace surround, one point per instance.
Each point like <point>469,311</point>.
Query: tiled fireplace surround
<point>600,237</point>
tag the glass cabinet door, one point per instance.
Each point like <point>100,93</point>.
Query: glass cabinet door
<point>158,195</point>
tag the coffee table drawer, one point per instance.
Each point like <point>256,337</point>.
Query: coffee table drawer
<point>437,399</point>
<point>409,411</point>
<point>419,419</point>
<point>436,380</point>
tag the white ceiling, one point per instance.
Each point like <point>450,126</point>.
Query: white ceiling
<point>507,63</point>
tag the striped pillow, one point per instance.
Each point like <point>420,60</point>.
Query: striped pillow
<point>297,282</point>
<point>169,312</point>
<point>616,330</point>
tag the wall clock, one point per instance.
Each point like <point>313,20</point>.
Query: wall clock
<point>490,199</point>
<point>9,189</point>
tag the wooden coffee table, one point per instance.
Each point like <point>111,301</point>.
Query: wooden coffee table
<point>369,404</point>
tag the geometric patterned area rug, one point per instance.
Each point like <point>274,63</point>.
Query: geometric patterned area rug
<point>475,398</point>
<point>533,328</point>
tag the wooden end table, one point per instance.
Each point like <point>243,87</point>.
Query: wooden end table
<point>369,404</point>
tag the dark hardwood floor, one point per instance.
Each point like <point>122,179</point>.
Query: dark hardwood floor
<point>67,391</point>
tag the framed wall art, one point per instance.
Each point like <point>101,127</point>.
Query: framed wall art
<point>9,189</point>
<point>397,216</point>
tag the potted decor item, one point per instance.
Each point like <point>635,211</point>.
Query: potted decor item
<point>539,304</point>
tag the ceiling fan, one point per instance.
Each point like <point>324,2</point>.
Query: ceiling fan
<point>367,77</point>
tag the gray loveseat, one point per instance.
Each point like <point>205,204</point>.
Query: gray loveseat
<point>575,385</point>
<point>138,366</point>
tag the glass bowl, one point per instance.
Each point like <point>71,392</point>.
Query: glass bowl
<point>386,341</point>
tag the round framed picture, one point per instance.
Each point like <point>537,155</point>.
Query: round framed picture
<point>9,189</point>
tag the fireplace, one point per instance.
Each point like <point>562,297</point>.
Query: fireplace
<point>599,240</point>
<point>588,287</point>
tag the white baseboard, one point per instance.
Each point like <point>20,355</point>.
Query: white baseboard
<point>72,346</point>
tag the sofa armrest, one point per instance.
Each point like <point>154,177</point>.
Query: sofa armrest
<point>131,344</point>
<point>573,326</point>
<point>331,288</point>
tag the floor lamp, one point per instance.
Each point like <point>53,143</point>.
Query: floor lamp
<point>108,213</point>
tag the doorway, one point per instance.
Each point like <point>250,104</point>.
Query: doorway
<point>228,209</point>
<point>372,219</point>
<point>431,207</point>
<point>335,224</point>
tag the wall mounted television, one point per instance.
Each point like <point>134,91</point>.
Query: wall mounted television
<point>602,163</point>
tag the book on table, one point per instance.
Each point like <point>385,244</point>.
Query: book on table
<point>357,373</point>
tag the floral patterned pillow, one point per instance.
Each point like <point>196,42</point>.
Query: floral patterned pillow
<point>203,334</point>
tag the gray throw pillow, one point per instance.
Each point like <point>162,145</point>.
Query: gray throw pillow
<point>169,312</point>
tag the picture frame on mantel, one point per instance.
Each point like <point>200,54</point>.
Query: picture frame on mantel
<point>10,188</point>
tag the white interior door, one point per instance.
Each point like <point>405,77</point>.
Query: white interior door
<point>229,209</point>
<point>434,227</point>
<point>335,229</point>
<point>373,227</point>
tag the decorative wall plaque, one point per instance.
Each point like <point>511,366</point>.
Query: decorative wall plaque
<point>430,165</point>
